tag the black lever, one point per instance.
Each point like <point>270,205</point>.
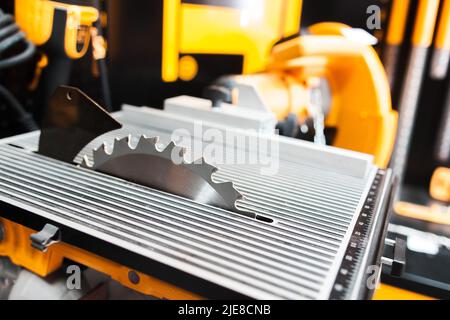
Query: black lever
<point>398,261</point>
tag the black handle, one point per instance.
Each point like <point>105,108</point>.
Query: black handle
<point>398,261</point>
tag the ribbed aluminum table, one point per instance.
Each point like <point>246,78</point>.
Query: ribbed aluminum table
<point>315,223</point>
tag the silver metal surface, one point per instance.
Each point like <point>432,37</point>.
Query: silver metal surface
<point>286,149</point>
<point>409,100</point>
<point>311,205</point>
<point>295,257</point>
<point>165,170</point>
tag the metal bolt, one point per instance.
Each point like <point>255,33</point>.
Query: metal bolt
<point>133,277</point>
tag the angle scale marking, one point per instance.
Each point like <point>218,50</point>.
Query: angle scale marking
<point>353,254</point>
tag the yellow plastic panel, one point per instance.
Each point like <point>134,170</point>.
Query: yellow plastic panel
<point>249,30</point>
<point>397,21</point>
<point>386,292</point>
<point>35,18</point>
<point>17,246</point>
<point>435,213</point>
<point>425,22</point>
<point>443,34</point>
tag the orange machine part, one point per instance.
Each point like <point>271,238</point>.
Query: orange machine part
<point>17,246</point>
<point>361,104</point>
<point>425,22</point>
<point>443,33</point>
<point>434,213</point>
<point>35,18</point>
<point>397,22</point>
<point>386,292</point>
<point>440,184</point>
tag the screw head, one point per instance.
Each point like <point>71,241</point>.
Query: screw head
<point>133,277</point>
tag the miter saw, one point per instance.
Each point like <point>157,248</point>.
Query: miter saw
<point>125,196</point>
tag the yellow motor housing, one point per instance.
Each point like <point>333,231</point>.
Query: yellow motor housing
<point>361,109</point>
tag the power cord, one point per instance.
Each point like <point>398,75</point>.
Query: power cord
<point>10,35</point>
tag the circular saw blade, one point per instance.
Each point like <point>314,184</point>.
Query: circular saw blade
<point>165,170</point>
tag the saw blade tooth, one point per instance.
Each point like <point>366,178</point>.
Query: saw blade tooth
<point>143,141</point>
<point>199,161</point>
<point>100,154</point>
<point>152,141</point>
<point>124,141</point>
<point>121,146</point>
<point>210,167</point>
<point>229,192</point>
<point>239,196</point>
<point>155,139</point>
<point>226,184</point>
<point>85,163</point>
<point>103,149</point>
<point>146,145</point>
<point>203,169</point>
<point>167,151</point>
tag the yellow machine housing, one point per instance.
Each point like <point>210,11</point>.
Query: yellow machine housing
<point>249,29</point>
<point>17,246</point>
<point>361,109</point>
<point>35,18</point>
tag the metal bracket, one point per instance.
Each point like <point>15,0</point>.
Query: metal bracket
<point>397,263</point>
<point>46,237</point>
<point>71,121</point>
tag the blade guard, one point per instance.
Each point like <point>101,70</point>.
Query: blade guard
<point>71,121</point>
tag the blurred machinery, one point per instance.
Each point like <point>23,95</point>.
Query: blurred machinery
<point>310,86</point>
<point>301,80</point>
<point>418,73</point>
<point>255,66</point>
